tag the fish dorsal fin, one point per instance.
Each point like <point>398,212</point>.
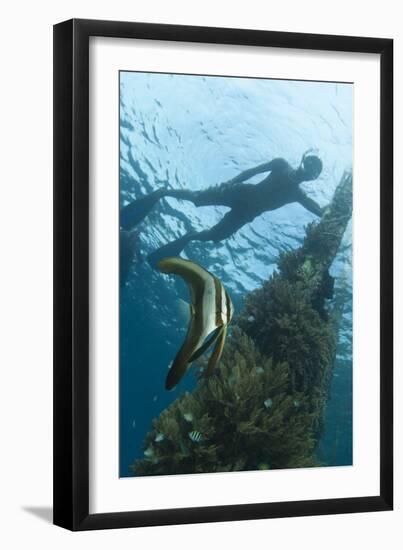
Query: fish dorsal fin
<point>206,345</point>
<point>194,275</point>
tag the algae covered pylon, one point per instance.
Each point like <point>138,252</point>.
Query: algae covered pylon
<point>264,406</point>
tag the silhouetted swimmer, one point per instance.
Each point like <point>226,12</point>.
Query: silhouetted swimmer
<point>246,201</point>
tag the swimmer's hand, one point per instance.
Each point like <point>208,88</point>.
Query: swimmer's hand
<point>310,204</point>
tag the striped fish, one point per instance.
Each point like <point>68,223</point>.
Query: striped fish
<point>195,436</point>
<point>211,312</point>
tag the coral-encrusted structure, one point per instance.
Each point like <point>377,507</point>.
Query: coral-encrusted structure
<point>264,406</point>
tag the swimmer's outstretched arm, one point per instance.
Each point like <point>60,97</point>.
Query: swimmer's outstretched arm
<point>265,167</point>
<point>310,204</point>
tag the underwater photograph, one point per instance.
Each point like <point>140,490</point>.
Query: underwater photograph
<point>236,285</point>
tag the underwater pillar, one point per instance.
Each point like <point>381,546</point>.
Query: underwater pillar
<point>291,318</point>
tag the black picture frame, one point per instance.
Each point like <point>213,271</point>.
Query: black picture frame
<point>71,274</point>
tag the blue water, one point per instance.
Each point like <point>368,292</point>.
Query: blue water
<point>190,132</point>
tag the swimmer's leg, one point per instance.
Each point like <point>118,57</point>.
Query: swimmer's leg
<point>222,230</point>
<point>226,227</point>
<point>212,196</point>
<point>174,248</point>
<point>136,211</point>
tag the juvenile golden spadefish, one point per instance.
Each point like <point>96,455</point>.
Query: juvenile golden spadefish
<point>211,313</point>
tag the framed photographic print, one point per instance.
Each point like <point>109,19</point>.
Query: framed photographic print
<point>223,274</point>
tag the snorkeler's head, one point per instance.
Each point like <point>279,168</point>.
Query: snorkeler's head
<point>311,167</point>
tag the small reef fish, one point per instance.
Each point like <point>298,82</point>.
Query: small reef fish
<point>195,436</point>
<point>159,437</point>
<point>259,370</point>
<point>268,403</point>
<point>251,319</point>
<point>211,312</point>
<point>155,398</point>
<point>188,417</point>
<point>134,424</point>
<point>149,452</point>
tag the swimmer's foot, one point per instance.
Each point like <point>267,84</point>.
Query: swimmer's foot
<point>173,248</point>
<point>136,211</point>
